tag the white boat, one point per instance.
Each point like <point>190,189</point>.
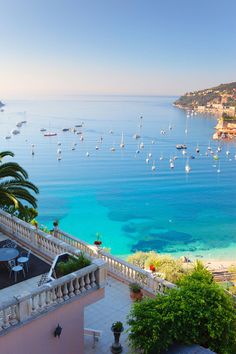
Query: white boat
<point>184,152</point>
<point>136,136</point>
<point>58,151</point>
<point>122,144</point>
<point>187,168</point>
<point>15,132</point>
<point>172,165</point>
<point>219,149</point>
<point>87,154</point>
<point>113,149</point>
<point>153,166</point>
<point>161,158</point>
<point>81,138</point>
<point>59,158</point>
<point>50,134</point>
<point>97,148</point>
<point>111,131</point>
<point>227,152</point>
<point>150,154</point>
<point>147,160</point>
<point>141,146</point>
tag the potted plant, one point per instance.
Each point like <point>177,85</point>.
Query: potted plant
<point>56,223</point>
<point>98,241</point>
<point>135,291</point>
<point>117,328</point>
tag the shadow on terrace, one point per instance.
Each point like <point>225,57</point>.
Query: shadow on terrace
<point>10,251</point>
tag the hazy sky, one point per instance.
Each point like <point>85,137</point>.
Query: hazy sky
<point>115,46</point>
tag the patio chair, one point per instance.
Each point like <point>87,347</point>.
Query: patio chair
<point>15,269</point>
<point>44,279</point>
<point>24,259</point>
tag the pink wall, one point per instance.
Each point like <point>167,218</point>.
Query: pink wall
<point>37,337</point>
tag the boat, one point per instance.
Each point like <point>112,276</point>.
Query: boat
<point>113,149</point>
<point>81,138</point>
<point>184,152</point>
<point>187,168</point>
<point>7,137</point>
<point>141,146</point>
<point>64,129</point>
<point>181,146</point>
<point>59,158</point>
<point>215,157</point>
<point>147,160</point>
<point>15,132</point>
<point>43,130</point>
<point>23,121</point>
<point>97,148</point>
<point>50,134</point>
<point>172,165</point>
<point>59,143</point>
<point>136,136</point>
<point>58,151</point>
<point>197,149</point>
<point>111,132</point>
<point>227,152</point>
<point>79,125</point>
<point>219,149</point>
<point>150,154</point>
<point>153,166</point>
<point>19,125</point>
<point>87,154</point>
<point>122,144</point>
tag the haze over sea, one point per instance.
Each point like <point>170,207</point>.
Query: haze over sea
<point>116,193</point>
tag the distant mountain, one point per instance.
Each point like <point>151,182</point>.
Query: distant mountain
<point>1,104</point>
<point>220,97</point>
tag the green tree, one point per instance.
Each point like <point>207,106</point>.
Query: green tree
<point>14,185</point>
<point>198,312</point>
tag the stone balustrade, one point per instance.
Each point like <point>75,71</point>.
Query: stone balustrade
<point>31,304</point>
<point>62,242</point>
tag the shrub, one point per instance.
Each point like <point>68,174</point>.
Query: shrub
<point>198,312</point>
<point>138,259</point>
<point>72,264</point>
<point>117,326</point>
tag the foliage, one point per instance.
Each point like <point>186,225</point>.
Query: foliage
<point>135,287</point>
<point>72,264</point>
<point>117,327</point>
<point>34,223</point>
<point>14,185</point>
<point>138,259</point>
<point>199,312</point>
<point>170,268</point>
<point>24,213</point>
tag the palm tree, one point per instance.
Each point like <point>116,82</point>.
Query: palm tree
<point>14,185</point>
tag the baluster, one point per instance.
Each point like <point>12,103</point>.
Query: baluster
<point>87,282</point>
<point>6,322</point>
<point>48,298</point>
<point>82,284</point>
<point>59,294</point>
<point>41,301</point>
<point>93,280</point>
<point>71,289</point>
<point>34,304</point>
<point>54,295</point>
<point>65,292</point>
<point>77,286</point>
<point>13,318</point>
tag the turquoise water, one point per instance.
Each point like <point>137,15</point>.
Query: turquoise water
<point>116,193</point>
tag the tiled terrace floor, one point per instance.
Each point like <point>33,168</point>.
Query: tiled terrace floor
<point>115,307</point>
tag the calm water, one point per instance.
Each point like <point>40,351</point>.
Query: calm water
<point>116,193</point>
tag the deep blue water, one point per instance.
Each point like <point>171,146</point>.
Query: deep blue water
<point>116,193</point>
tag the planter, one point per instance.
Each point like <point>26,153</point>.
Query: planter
<point>116,346</point>
<point>136,296</point>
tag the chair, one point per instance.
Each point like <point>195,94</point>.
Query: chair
<point>24,259</point>
<point>44,279</point>
<point>15,268</point>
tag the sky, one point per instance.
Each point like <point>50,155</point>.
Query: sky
<point>130,47</point>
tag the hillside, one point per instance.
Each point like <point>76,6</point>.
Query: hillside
<point>218,98</point>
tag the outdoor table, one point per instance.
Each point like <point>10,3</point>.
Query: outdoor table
<point>7,254</point>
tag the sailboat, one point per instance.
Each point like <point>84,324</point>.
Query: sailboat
<point>153,166</point>
<point>187,167</point>
<point>122,144</point>
<point>141,145</point>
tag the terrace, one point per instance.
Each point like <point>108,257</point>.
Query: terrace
<point>25,302</point>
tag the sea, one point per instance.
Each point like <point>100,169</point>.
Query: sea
<point>119,194</point>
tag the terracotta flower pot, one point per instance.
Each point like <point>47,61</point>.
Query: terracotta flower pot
<point>137,296</point>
